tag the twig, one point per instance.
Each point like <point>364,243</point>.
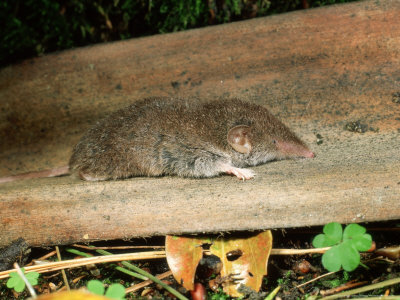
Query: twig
<point>117,247</point>
<point>77,279</point>
<point>64,275</point>
<point>74,263</point>
<point>365,289</point>
<point>143,284</point>
<point>125,264</point>
<point>128,265</point>
<point>299,251</point>
<point>50,254</point>
<point>149,276</point>
<point>343,287</point>
<point>315,279</point>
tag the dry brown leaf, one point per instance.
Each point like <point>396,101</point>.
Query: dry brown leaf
<point>183,256</point>
<point>71,295</point>
<point>244,261</point>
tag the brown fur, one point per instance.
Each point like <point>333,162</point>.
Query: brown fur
<point>168,136</point>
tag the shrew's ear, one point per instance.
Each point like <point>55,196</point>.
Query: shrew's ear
<point>239,137</point>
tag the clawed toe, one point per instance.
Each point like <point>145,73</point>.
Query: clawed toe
<point>242,174</point>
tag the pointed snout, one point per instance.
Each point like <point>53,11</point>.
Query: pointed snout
<point>308,154</point>
<point>288,149</point>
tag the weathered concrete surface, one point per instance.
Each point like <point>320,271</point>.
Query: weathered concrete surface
<point>316,69</point>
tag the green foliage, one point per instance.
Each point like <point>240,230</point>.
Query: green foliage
<point>114,291</point>
<point>170,15</point>
<point>18,284</point>
<point>345,246</point>
<point>285,280</point>
<point>326,2</point>
<point>32,27</point>
<point>218,295</point>
<point>332,283</point>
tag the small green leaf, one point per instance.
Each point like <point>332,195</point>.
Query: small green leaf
<point>353,230</point>
<point>319,241</point>
<point>349,256</point>
<point>96,287</point>
<point>12,281</point>
<point>333,232</point>
<point>32,277</point>
<point>356,234</point>
<point>16,282</point>
<point>14,275</point>
<point>362,243</point>
<point>331,260</point>
<point>116,291</point>
<point>332,236</point>
<point>20,286</point>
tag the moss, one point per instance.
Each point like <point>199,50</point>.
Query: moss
<point>30,28</point>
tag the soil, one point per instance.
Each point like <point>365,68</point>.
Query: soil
<point>285,271</point>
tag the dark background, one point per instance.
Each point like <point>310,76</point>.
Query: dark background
<point>30,28</point>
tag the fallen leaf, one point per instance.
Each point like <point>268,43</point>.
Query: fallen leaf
<point>244,261</point>
<point>71,295</point>
<point>183,256</point>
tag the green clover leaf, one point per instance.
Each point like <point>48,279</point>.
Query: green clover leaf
<point>345,246</point>
<point>32,277</point>
<point>356,234</point>
<point>18,284</point>
<point>332,235</point>
<point>349,256</point>
<point>342,255</point>
<point>329,260</point>
<point>96,287</point>
<point>116,291</point>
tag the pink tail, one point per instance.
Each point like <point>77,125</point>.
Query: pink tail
<point>40,174</point>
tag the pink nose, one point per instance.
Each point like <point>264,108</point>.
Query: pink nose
<point>289,149</point>
<point>309,154</point>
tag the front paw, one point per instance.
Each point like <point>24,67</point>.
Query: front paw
<point>242,174</point>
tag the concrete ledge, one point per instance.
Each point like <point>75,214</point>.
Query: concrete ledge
<point>317,70</point>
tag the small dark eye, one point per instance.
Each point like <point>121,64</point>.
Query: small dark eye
<point>274,141</point>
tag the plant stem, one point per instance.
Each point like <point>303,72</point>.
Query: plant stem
<point>134,274</point>
<point>64,275</point>
<point>148,275</point>
<point>137,275</point>
<point>365,289</point>
<point>273,293</point>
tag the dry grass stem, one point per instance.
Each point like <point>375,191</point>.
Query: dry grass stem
<point>74,263</point>
<point>145,283</point>
<point>117,247</point>
<point>64,275</point>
